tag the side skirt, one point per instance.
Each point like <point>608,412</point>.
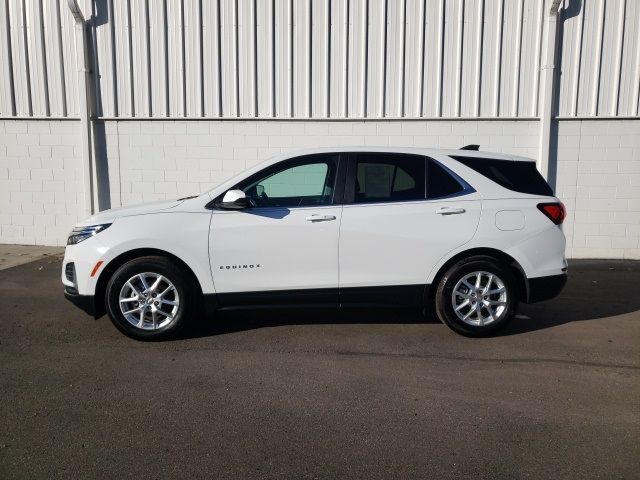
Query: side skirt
<point>409,296</point>
<point>395,296</point>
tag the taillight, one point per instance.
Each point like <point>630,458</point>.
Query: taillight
<point>554,211</point>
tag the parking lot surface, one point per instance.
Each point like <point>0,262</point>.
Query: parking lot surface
<point>302,394</point>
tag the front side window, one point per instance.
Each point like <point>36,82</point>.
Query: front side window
<point>388,177</point>
<point>295,183</point>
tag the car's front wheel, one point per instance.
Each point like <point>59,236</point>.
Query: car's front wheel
<point>477,296</point>
<point>150,298</point>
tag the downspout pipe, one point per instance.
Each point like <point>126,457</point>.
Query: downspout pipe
<point>84,72</point>
<point>547,89</point>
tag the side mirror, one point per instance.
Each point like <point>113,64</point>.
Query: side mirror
<point>234,200</point>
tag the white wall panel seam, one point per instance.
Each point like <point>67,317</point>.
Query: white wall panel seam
<point>7,69</point>
<point>498,60</point>
<point>147,32</point>
<point>538,55</point>
<point>385,62</point>
<point>577,63</point>
<point>327,102</point>
<point>67,26</point>
<point>439,74</point>
<point>55,63</point>
<point>347,16</point>
<point>291,60</point>
<point>274,88</point>
<point>402,47</point>
<point>132,89</point>
<point>44,66</point>
<point>423,35</point>
<point>219,52</point>
<point>615,91</point>
<point>236,46</point>
<point>597,64</point>
<point>184,58</point>
<point>97,57</point>
<point>26,58</point>
<point>459,63</point>
<point>31,30</point>
<point>120,66</point>
<point>114,70</point>
<point>636,77</point>
<point>518,56</point>
<point>365,56</point>
<point>478,53</point>
<point>256,92</point>
<point>139,57</point>
<point>165,47</point>
<point>309,39</point>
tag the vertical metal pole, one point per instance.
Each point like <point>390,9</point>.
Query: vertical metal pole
<point>547,87</point>
<point>85,111</point>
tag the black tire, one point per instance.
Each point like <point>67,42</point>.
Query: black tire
<point>184,286</point>
<point>443,297</point>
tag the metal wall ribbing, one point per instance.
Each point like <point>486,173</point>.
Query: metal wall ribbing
<point>320,58</point>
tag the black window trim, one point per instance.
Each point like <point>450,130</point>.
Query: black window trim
<point>338,190</point>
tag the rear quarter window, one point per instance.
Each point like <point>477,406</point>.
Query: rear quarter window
<point>441,183</point>
<point>518,176</point>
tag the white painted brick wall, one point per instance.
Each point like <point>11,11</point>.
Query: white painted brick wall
<point>40,166</point>
<point>599,181</point>
<point>163,159</point>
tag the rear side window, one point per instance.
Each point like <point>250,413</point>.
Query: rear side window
<point>518,176</point>
<point>388,177</point>
<point>440,183</point>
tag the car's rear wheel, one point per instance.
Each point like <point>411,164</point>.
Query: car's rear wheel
<point>477,296</point>
<point>150,298</point>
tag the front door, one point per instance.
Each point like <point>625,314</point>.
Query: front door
<point>283,248</point>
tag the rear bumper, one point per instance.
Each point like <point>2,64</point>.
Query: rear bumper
<point>85,303</point>
<point>545,288</point>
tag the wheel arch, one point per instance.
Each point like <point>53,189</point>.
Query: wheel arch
<point>507,260</point>
<point>117,262</point>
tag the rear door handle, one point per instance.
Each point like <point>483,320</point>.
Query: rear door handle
<point>450,211</point>
<point>320,218</point>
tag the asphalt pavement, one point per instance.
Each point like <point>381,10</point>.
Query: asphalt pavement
<point>299,394</point>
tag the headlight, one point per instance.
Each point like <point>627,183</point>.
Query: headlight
<point>79,234</point>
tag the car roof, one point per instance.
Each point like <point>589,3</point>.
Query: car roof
<point>407,150</point>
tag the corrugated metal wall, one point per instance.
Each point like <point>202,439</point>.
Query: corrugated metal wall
<point>600,59</point>
<point>319,58</point>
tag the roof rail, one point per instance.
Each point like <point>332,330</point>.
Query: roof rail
<point>471,147</point>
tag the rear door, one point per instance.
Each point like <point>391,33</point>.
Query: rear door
<point>402,214</point>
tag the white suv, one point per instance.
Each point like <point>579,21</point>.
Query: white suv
<point>471,233</point>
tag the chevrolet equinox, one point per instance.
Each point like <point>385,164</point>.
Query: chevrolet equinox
<point>468,233</point>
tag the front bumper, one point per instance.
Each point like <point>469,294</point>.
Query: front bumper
<point>545,288</point>
<point>85,303</point>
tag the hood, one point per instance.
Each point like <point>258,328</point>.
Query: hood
<point>108,216</point>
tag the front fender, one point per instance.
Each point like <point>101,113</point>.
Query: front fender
<point>182,234</point>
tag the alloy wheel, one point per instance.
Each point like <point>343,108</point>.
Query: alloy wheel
<point>479,298</point>
<point>149,301</point>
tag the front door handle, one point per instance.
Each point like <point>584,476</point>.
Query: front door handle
<point>320,218</point>
<point>450,211</point>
